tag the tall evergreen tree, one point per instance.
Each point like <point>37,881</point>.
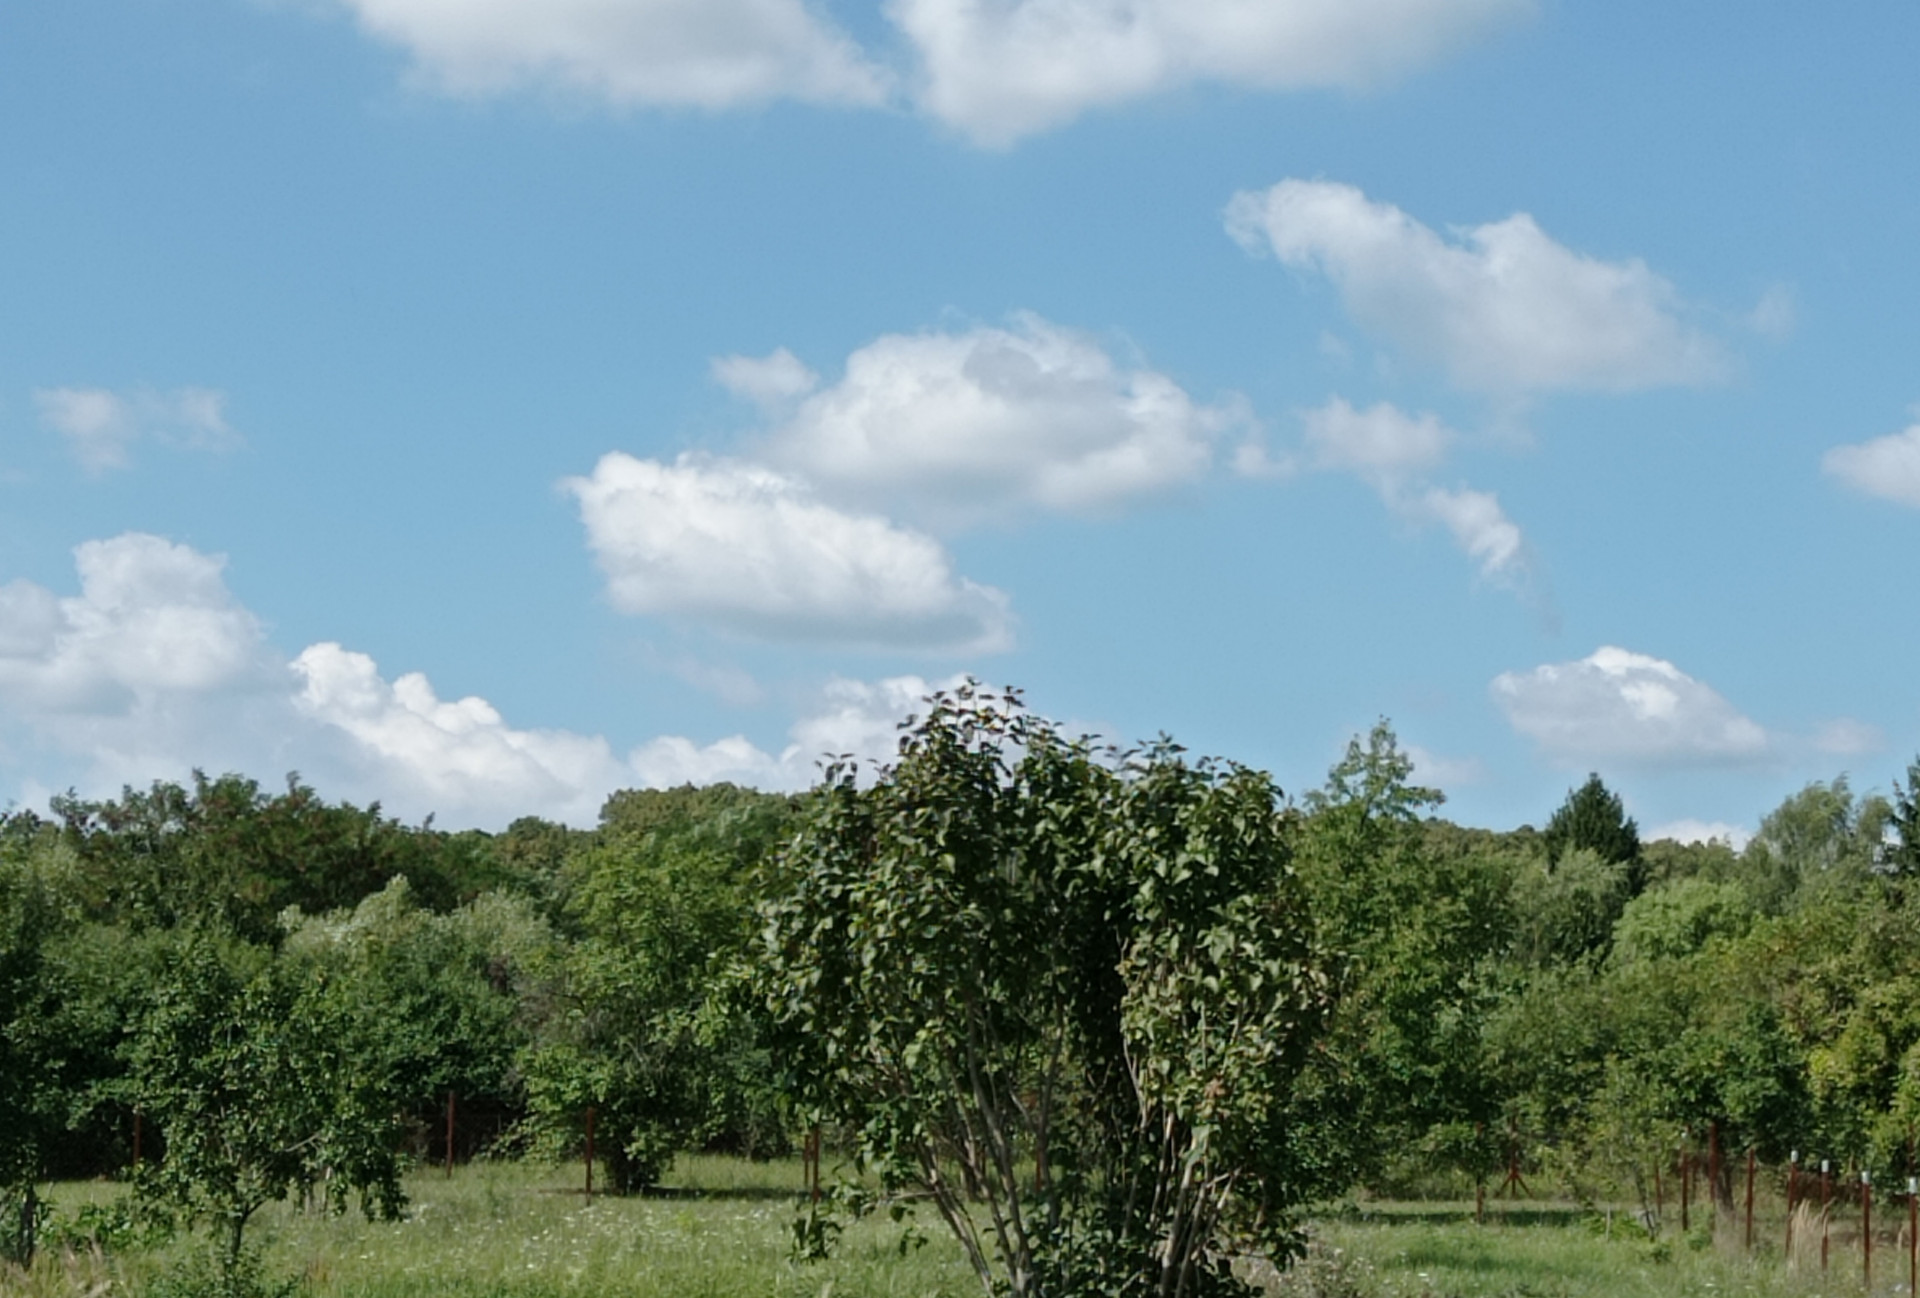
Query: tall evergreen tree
<point>1594,818</point>
<point>1903,853</point>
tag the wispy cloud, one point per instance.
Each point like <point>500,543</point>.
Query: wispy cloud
<point>101,427</point>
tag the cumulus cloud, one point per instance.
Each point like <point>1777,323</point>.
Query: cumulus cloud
<point>948,429</point>
<point>1625,706</point>
<point>101,427</point>
<point>152,618</point>
<point>710,54</point>
<point>994,70</point>
<point>961,426</point>
<point>855,719</point>
<point>861,719</point>
<point>752,552</point>
<point>1004,69</point>
<point>153,656</point>
<point>1501,307</point>
<point>154,669</point>
<point>1888,467</point>
<point>456,754</point>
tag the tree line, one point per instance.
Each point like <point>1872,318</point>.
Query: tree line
<point>1113,1015</point>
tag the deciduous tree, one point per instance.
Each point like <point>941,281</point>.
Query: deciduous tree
<point>1080,989</point>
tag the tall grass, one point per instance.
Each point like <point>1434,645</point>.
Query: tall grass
<point>721,1230</point>
<point>1551,1251</point>
<point>526,1231</point>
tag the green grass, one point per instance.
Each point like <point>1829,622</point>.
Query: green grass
<point>514,1231</point>
<point>1550,1251</point>
<point>721,1231</point>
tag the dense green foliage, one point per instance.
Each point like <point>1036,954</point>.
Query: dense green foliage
<point>1075,991</point>
<point>262,1079</point>
<point>643,1018</point>
<point>1133,963</point>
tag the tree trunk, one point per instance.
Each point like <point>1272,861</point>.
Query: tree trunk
<point>27,1229</point>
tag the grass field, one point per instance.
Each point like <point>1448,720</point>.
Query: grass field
<point>1544,1251</point>
<point>526,1231</point>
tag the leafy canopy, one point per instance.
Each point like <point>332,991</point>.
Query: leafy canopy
<point>1073,989</point>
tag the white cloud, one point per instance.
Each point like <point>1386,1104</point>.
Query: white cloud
<point>1379,443</point>
<point>1253,459</point>
<point>152,618</point>
<point>154,669</point>
<point>1846,737</point>
<point>153,659</point>
<point>673,760</point>
<point>101,427</point>
<point>709,54</point>
<point>1701,831</point>
<point>731,685</point>
<point>1479,526</point>
<point>995,70</point>
<point>1626,706</point>
<point>962,426</point>
<point>1392,451</point>
<point>1888,467</point>
<point>97,425</point>
<point>1774,315</point>
<point>857,719</point>
<point>770,381</point>
<point>1502,307</point>
<point>459,756</point>
<point>752,552</point>
<point>1443,773</point>
<point>1001,69</point>
<point>862,718</point>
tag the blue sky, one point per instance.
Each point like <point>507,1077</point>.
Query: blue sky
<point>482,405</point>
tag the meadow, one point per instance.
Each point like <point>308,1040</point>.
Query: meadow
<point>721,1228</point>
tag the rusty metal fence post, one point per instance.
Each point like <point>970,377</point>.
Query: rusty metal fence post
<point>1866,1230</point>
<point>1793,1188</point>
<point>1913,1235</point>
<point>1826,1202</point>
<point>1713,1176</point>
<point>1749,1201</point>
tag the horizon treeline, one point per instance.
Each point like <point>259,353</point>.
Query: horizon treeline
<point>1567,995</point>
